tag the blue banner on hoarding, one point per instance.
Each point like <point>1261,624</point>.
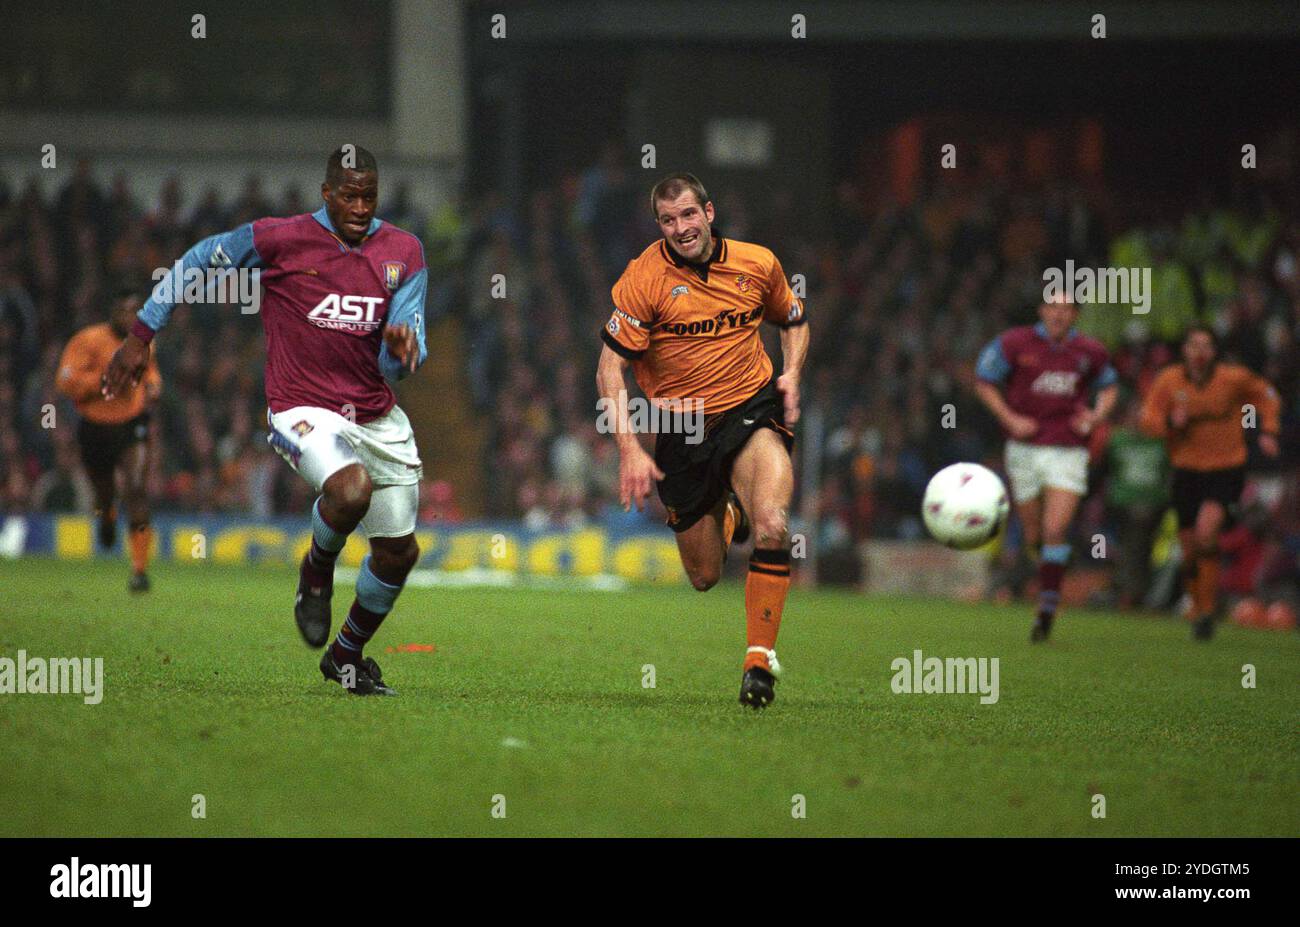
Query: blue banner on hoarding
<point>631,553</point>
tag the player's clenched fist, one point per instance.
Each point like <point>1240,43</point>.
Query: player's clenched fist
<point>402,345</point>
<point>1020,427</point>
<point>126,368</point>
<point>636,473</point>
<point>788,386</point>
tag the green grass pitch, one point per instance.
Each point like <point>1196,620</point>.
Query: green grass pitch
<point>537,696</point>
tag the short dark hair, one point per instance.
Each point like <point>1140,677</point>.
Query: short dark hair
<point>672,187</point>
<point>127,286</point>
<point>362,161</point>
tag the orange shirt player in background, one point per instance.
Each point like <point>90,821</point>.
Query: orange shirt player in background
<point>686,318</point>
<point>1199,408</point>
<point>113,433</point>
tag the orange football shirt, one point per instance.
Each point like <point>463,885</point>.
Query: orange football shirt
<point>84,362</point>
<point>691,331</point>
<point>1214,437</point>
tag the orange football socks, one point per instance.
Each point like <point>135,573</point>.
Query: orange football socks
<point>765,592</point>
<point>141,538</point>
<point>1205,584</point>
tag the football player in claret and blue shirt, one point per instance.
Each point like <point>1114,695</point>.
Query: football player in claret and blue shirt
<point>343,310</point>
<point>1036,379</point>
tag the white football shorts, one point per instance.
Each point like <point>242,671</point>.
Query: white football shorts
<point>318,443</point>
<point>1030,467</point>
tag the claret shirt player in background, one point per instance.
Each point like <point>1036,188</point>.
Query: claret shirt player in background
<point>1036,379</point>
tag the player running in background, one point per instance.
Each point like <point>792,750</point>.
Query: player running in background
<point>113,434</point>
<point>1200,408</point>
<point>686,319</point>
<point>343,311</point>
<point>1036,379</point>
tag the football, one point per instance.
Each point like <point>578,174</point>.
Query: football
<point>965,505</point>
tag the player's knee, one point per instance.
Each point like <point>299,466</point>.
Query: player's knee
<point>349,490</point>
<point>410,556</point>
<point>770,528</point>
<point>397,561</point>
<point>704,579</point>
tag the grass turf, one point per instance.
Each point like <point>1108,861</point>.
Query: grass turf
<point>538,697</point>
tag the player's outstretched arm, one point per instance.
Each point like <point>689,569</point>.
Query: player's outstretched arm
<point>783,309</point>
<point>1107,399</point>
<point>1107,386</point>
<point>225,251</point>
<point>77,378</point>
<point>1156,419</point>
<point>991,371</point>
<point>403,349</point>
<point>1268,406</point>
<point>794,350</point>
<point>637,470</point>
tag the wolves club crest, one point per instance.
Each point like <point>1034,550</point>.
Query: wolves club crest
<point>393,271</point>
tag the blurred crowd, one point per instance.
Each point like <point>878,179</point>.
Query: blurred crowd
<point>901,297</point>
<point>58,258</point>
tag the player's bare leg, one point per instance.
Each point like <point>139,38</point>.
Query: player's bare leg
<point>703,547</point>
<point>1030,515</point>
<point>134,466</point>
<point>1059,507</point>
<point>1200,545</point>
<point>383,574</point>
<point>763,478</point>
<point>343,502</point>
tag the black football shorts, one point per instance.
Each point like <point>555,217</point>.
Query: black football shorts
<point>102,446</point>
<point>697,475</point>
<point>1193,487</point>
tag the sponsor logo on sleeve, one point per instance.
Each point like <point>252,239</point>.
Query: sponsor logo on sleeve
<point>630,320</point>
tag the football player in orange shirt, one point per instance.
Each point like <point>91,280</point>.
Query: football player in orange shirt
<point>113,433</point>
<point>686,320</point>
<point>1201,408</point>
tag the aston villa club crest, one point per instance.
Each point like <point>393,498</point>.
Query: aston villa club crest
<point>393,271</point>
<point>219,258</point>
<point>302,429</point>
